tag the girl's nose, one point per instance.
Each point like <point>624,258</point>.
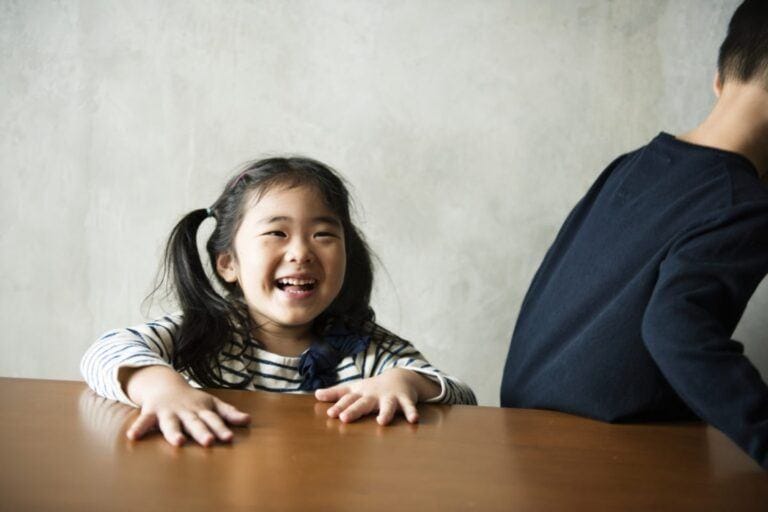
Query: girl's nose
<point>299,252</point>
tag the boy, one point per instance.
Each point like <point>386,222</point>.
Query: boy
<point>630,315</point>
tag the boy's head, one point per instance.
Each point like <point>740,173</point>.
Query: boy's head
<point>744,53</point>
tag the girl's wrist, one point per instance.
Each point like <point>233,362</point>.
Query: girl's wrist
<point>425,387</point>
<point>137,382</point>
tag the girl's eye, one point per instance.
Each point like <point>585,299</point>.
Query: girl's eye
<point>326,234</point>
<point>280,234</point>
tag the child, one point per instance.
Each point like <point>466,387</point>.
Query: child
<point>631,313</point>
<point>294,316</point>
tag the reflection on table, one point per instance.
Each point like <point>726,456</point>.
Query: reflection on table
<point>64,448</point>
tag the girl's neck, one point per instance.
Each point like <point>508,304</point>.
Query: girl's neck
<point>282,340</point>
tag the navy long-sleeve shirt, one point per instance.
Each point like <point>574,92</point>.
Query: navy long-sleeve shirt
<point>630,316</point>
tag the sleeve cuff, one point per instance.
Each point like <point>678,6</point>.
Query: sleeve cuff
<point>434,377</point>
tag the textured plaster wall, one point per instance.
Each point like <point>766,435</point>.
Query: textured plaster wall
<point>468,129</point>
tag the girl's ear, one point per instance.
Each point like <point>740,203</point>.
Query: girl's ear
<point>226,266</point>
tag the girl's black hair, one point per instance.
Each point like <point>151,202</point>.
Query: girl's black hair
<point>212,320</point>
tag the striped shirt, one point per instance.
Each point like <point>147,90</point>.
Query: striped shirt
<point>152,344</point>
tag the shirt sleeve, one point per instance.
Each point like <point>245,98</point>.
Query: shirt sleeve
<point>703,287</point>
<point>134,347</point>
<point>388,351</point>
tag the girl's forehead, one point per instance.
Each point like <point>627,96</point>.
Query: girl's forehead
<point>287,201</point>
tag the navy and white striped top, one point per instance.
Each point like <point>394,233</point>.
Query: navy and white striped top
<point>152,344</point>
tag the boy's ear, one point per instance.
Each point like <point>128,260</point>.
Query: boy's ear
<point>717,84</point>
<point>226,266</point>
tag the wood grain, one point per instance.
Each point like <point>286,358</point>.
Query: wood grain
<point>64,449</point>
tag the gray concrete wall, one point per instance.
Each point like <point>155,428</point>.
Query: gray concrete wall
<point>468,130</point>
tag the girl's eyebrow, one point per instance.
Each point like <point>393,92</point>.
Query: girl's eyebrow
<point>326,219</point>
<point>322,219</point>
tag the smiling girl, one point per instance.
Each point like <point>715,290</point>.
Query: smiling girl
<point>291,315</point>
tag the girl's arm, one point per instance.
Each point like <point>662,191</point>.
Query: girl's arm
<point>388,351</point>
<point>134,366</point>
<point>118,350</point>
<point>397,377</point>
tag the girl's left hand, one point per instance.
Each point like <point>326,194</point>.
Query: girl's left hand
<point>394,390</point>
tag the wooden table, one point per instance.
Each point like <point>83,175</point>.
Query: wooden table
<point>63,448</point>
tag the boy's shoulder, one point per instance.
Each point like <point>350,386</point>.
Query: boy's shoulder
<point>746,187</point>
<point>693,173</point>
<point>706,162</point>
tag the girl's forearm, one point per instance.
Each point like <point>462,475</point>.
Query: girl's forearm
<point>137,382</point>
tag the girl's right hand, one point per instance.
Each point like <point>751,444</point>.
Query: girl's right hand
<point>170,404</point>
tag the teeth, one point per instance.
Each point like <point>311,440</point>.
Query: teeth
<point>295,282</point>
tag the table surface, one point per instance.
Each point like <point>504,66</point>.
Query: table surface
<point>64,448</point>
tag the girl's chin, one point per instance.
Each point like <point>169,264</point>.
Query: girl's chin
<point>293,319</point>
<point>290,312</point>
<point>295,323</point>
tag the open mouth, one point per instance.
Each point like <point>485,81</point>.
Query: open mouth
<point>291,285</point>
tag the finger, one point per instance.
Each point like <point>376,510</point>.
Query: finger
<point>230,413</point>
<point>216,424</point>
<point>387,408</point>
<point>332,394</point>
<point>196,428</point>
<point>143,424</point>
<point>409,409</point>
<point>171,429</point>
<point>363,406</point>
<point>342,404</point>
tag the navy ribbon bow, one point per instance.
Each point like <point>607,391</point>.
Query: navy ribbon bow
<point>317,365</point>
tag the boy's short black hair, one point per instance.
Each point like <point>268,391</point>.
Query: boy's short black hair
<point>744,53</point>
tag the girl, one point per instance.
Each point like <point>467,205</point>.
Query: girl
<point>294,316</point>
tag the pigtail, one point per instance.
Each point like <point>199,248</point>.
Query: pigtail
<point>209,320</point>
